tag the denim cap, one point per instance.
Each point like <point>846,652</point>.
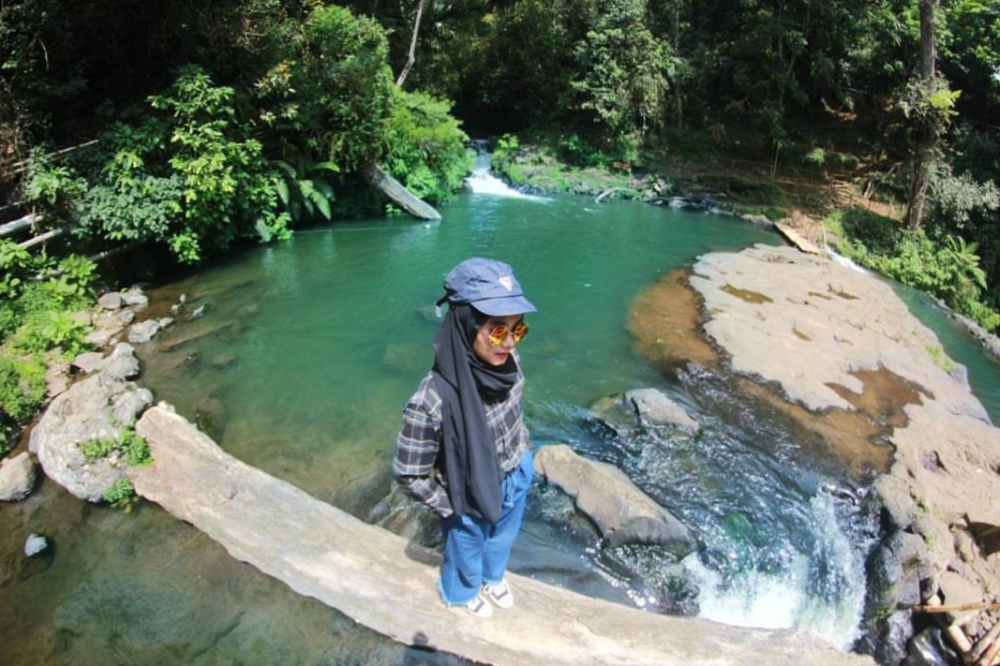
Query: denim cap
<point>487,285</point>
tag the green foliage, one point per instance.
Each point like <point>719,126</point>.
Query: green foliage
<point>333,86</point>
<point>22,390</point>
<point>304,190</point>
<point>426,147</point>
<point>17,266</point>
<point>48,329</point>
<point>127,445</point>
<point>191,178</point>
<point>50,188</point>
<point>621,77</point>
<point>121,495</point>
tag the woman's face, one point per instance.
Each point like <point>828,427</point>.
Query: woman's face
<point>487,353</point>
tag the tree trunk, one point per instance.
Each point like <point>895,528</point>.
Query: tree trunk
<point>927,133</point>
<point>678,98</point>
<point>412,56</point>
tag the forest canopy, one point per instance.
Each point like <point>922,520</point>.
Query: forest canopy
<point>222,119</point>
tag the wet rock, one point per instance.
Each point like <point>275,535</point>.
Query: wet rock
<point>111,301</point>
<point>897,567</point>
<point>134,298</point>
<point>17,478</point>
<point>35,544</point>
<point>95,407</point>
<point>644,407</point>
<point>143,332</point>
<point>620,510</point>
<point>121,363</point>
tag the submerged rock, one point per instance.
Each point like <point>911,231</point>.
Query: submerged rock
<point>35,544</point>
<point>619,509</point>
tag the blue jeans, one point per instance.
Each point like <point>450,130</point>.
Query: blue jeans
<point>476,551</point>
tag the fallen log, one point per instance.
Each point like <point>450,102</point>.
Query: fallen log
<point>399,195</point>
<point>322,552</point>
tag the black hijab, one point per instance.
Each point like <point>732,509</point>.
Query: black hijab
<point>462,380</point>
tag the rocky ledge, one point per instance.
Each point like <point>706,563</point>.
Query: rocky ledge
<point>839,351</point>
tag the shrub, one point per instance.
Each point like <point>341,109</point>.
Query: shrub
<point>22,390</point>
<point>426,147</point>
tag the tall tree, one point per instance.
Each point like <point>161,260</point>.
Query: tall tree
<point>929,121</point>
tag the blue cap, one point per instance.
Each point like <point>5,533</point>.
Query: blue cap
<point>487,285</point>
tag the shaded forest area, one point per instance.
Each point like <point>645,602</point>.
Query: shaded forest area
<point>205,122</point>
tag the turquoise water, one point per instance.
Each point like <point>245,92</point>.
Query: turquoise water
<point>300,364</point>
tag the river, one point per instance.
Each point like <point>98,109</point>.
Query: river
<point>299,363</point>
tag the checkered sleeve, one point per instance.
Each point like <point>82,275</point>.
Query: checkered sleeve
<point>417,448</point>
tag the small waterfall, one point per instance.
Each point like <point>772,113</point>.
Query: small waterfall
<point>821,590</point>
<point>482,181</point>
<point>844,261</point>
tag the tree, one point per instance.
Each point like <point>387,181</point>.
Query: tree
<point>930,105</point>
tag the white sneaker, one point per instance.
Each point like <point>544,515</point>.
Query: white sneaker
<point>499,594</point>
<point>479,607</point>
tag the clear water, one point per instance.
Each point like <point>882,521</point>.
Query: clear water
<point>300,364</point>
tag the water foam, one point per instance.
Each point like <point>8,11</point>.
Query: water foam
<point>822,590</point>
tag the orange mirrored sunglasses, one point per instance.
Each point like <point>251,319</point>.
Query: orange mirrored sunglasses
<point>499,333</point>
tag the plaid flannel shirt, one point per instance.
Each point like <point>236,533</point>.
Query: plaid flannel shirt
<point>420,437</point>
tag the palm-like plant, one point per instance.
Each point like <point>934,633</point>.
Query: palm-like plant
<point>303,189</point>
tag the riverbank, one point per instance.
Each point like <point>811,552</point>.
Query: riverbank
<point>839,352</point>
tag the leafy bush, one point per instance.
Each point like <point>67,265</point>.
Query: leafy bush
<point>191,178</point>
<point>426,147</point>
<point>121,495</point>
<point>22,390</point>
<point>876,233</point>
<point>128,444</point>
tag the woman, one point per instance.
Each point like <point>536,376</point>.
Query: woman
<point>463,449</point>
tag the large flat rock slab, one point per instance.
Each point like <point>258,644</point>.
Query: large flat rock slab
<point>366,573</point>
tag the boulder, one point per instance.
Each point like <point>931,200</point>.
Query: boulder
<point>17,478</point>
<point>143,332</point>
<point>134,298</point>
<point>620,510</point>
<point>647,407</point>
<point>111,301</point>
<point>96,407</point>
<point>88,362</point>
<point>121,363</point>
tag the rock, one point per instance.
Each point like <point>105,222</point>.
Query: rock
<point>121,363</point>
<point>125,317</point>
<point>620,510</point>
<point>165,322</point>
<point>35,544</point>
<point>198,313</point>
<point>56,379</point>
<point>641,408</point>
<point>88,362</point>
<point>143,332</point>
<point>957,591</point>
<point>898,507</point>
<point>655,408</point>
<point>898,565</point>
<point>360,568</point>
<point>95,407</point>
<point>928,648</point>
<point>111,301</point>
<point>134,298</point>
<point>17,478</point>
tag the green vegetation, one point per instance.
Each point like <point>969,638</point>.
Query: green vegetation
<point>250,118</point>
<point>130,447</point>
<point>121,495</point>
<point>38,297</point>
<point>128,444</point>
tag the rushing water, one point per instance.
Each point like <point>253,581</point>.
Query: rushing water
<point>299,364</point>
